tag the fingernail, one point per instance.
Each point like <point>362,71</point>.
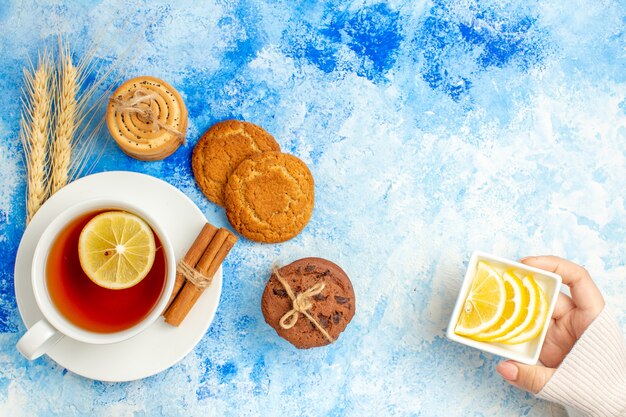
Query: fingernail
<point>507,370</point>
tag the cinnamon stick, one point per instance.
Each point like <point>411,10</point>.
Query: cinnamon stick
<point>209,263</point>
<point>230,241</point>
<point>193,255</point>
<point>209,255</point>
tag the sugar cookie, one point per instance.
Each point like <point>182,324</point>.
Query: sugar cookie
<point>221,149</point>
<point>270,197</point>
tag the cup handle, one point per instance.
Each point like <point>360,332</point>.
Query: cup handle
<point>38,339</point>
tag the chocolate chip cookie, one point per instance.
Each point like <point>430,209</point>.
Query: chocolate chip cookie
<point>332,308</point>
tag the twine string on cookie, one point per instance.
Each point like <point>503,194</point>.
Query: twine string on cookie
<point>131,105</point>
<point>192,275</point>
<point>301,303</point>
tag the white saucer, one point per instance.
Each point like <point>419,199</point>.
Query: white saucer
<point>161,345</point>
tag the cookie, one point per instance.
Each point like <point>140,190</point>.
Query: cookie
<point>221,149</point>
<point>333,307</point>
<point>147,118</point>
<point>270,197</point>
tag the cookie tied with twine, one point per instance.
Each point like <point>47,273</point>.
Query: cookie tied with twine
<point>147,118</point>
<point>308,302</point>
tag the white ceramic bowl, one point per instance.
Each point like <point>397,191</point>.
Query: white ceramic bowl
<point>528,352</point>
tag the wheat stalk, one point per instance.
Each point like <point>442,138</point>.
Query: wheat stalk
<point>60,124</point>
<point>35,131</point>
<point>67,109</point>
<point>79,116</point>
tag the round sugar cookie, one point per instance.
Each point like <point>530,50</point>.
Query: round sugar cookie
<point>221,149</point>
<point>333,307</point>
<point>270,197</point>
<point>147,118</point>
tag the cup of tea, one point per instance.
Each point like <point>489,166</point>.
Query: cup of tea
<point>73,305</point>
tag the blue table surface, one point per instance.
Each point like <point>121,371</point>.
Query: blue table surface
<point>432,128</point>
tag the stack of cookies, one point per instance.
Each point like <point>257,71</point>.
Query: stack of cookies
<point>309,302</point>
<point>268,195</point>
<point>147,118</point>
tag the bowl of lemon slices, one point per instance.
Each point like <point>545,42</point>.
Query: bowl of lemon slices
<point>504,307</point>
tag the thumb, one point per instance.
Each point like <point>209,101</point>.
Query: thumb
<point>531,378</point>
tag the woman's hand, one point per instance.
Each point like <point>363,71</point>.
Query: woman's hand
<point>570,319</point>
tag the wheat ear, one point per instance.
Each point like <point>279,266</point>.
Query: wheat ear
<point>35,131</point>
<point>66,106</point>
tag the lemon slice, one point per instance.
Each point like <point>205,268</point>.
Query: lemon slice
<point>485,303</point>
<point>116,249</point>
<point>532,310</point>
<point>515,309</point>
<point>535,326</point>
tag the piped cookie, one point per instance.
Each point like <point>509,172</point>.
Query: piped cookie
<point>147,118</point>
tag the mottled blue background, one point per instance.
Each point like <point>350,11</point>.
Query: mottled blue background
<point>432,128</point>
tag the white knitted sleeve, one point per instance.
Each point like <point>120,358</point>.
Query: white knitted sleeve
<point>592,377</point>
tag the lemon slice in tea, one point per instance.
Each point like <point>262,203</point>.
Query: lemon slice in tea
<point>116,249</point>
<point>484,306</point>
<point>515,308</point>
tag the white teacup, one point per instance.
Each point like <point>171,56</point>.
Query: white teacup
<point>54,326</point>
